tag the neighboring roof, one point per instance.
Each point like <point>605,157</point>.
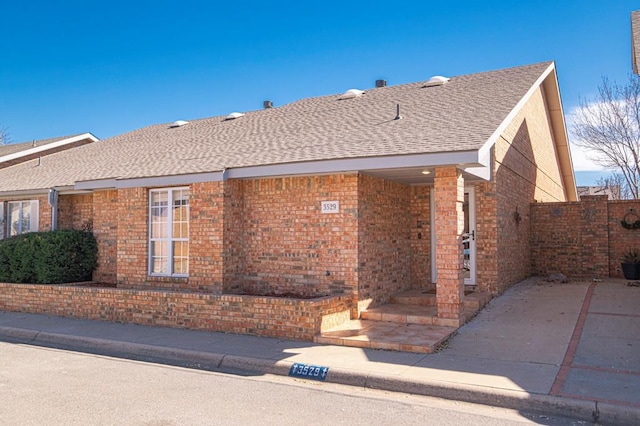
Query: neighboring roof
<point>19,152</point>
<point>455,123</point>
<point>17,147</point>
<point>635,40</point>
<point>613,192</point>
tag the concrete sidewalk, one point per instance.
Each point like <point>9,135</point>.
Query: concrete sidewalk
<point>565,349</point>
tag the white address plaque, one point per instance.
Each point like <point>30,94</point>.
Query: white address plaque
<point>330,206</point>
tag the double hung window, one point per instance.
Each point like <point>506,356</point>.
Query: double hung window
<point>21,217</point>
<point>169,232</point>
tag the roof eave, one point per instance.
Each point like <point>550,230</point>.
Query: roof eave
<point>48,147</point>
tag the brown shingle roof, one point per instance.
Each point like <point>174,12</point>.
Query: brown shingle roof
<point>459,116</point>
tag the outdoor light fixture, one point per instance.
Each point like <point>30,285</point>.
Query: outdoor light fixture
<point>426,172</point>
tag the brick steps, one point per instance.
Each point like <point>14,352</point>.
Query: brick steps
<point>417,338</point>
<point>409,323</point>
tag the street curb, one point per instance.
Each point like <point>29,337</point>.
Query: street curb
<point>515,400</point>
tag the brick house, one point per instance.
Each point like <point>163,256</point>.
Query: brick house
<point>359,195</point>
<point>26,212</point>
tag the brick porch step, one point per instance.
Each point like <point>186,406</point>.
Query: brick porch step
<point>417,338</point>
<point>413,314</point>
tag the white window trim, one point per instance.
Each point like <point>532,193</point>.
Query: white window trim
<point>2,222</point>
<point>169,239</point>
<point>34,221</point>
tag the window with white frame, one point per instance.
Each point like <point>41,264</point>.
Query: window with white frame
<point>169,232</point>
<point>21,217</point>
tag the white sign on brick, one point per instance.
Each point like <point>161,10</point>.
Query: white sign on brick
<point>330,206</point>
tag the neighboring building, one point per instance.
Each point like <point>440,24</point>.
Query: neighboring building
<point>635,40</point>
<point>612,192</point>
<point>15,153</point>
<point>365,194</point>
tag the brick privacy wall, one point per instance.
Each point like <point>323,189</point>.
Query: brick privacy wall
<point>384,243</point>
<point>289,245</point>
<point>581,239</point>
<point>620,238</point>
<point>526,170</point>
<point>420,208</point>
<point>262,316</point>
<point>75,211</point>
<point>105,229</point>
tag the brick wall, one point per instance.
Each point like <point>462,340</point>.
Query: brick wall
<point>105,229</point>
<point>133,240</point>
<point>526,170</point>
<point>289,246</point>
<point>581,239</point>
<point>384,243</point>
<point>206,242</point>
<point>420,225</point>
<point>263,316</point>
<point>75,211</point>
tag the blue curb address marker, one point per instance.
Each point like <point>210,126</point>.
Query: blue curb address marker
<point>313,372</point>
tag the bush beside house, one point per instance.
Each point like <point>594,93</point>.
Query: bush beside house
<point>52,257</point>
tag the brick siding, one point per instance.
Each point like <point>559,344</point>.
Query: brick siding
<point>262,316</point>
<point>384,243</point>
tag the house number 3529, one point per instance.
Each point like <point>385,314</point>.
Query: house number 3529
<point>330,206</point>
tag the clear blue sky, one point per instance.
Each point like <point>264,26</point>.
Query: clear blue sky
<point>110,67</point>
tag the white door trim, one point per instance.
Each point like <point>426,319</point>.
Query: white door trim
<point>472,230</point>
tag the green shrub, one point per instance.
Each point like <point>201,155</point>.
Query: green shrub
<point>53,257</point>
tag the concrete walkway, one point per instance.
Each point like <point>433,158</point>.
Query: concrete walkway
<point>565,349</point>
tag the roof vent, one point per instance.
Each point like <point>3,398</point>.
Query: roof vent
<point>179,123</point>
<point>381,83</point>
<point>267,104</point>
<point>352,93</point>
<point>234,115</point>
<point>436,80</point>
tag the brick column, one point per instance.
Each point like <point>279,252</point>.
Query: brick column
<point>449,225</point>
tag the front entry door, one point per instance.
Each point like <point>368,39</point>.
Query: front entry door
<point>468,237</point>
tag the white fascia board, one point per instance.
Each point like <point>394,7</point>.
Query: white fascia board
<point>95,184</point>
<point>357,164</point>
<point>500,129</point>
<point>483,172</point>
<point>47,147</point>
<point>24,193</point>
<point>170,180</point>
<point>348,165</point>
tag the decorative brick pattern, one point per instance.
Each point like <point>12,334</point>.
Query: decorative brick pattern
<point>262,316</point>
